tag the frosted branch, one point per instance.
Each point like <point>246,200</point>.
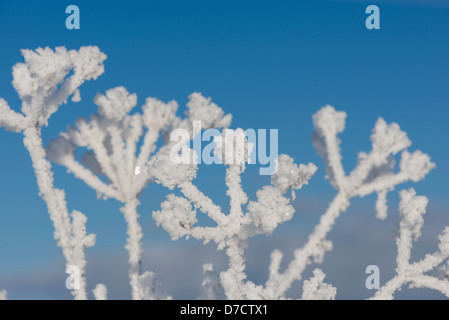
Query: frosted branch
<point>178,214</point>
<point>111,138</point>
<point>290,176</point>
<point>316,289</point>
<point>373,174</point>
<point>412,209</point>
<point>328,123</point>
<point>133,245</point>
<point>121,156</point>
<point>37,82</point>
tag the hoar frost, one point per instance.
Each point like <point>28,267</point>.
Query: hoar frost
<point>121,158</point>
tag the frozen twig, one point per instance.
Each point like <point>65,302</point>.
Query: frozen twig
<point>112,138</point>
<point>412,209</point>
<point>120,147</point>
<point>316,289</point>
<point>178,214</point>
<point>44,82</point>
<point>373,174</point>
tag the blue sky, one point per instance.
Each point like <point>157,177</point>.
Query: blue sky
<point>271,64</point>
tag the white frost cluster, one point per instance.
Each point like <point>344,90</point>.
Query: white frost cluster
<point>44,82</point>
<point>3,295</point>
<point>412,209</point>
<point>199,108</point>
<point>290,176</point>
<point>210,115</point>
<point>374,173</point>
<point>316,289</point>
<point>45,71</point>
<point>178,214</point>
<point>121,158</point>
<point>115,152</point>
<point>232,147</point>
<point>170,174</point>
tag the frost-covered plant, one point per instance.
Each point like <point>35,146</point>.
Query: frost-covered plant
<point>44,82</point>
<point>412,209</point>
<point>178,214</point>
<point>374,173</point>
<point>119,145</point>
<point>316,289</point>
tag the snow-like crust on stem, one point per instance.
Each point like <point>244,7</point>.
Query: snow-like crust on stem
<point>112,139</point>
<point>44,82</point>
<point>316,289</point>
<point>37,80</point>
<point>374,173</point>
<point>178,214</point>
<point>412,209</point>
<point>114,169</point>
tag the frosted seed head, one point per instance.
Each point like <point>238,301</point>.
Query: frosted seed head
<point>233,147</point>
<point>44,72</point>
<point>116,103</point>
<point>388,139</point>
<point>270,210</point>
<point>131,127</point>
<point>412,209</point>
<point>210,115</point>
<point>176,216</point>
<point>291,176</point>
<point>328,120</point>
<point>316,289</point>
<point>159,115</point>
<point>168,173</point>
<point>43,68</point>
<point>37,80</point>
<point>415,165</point>
<point>88,62</point>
